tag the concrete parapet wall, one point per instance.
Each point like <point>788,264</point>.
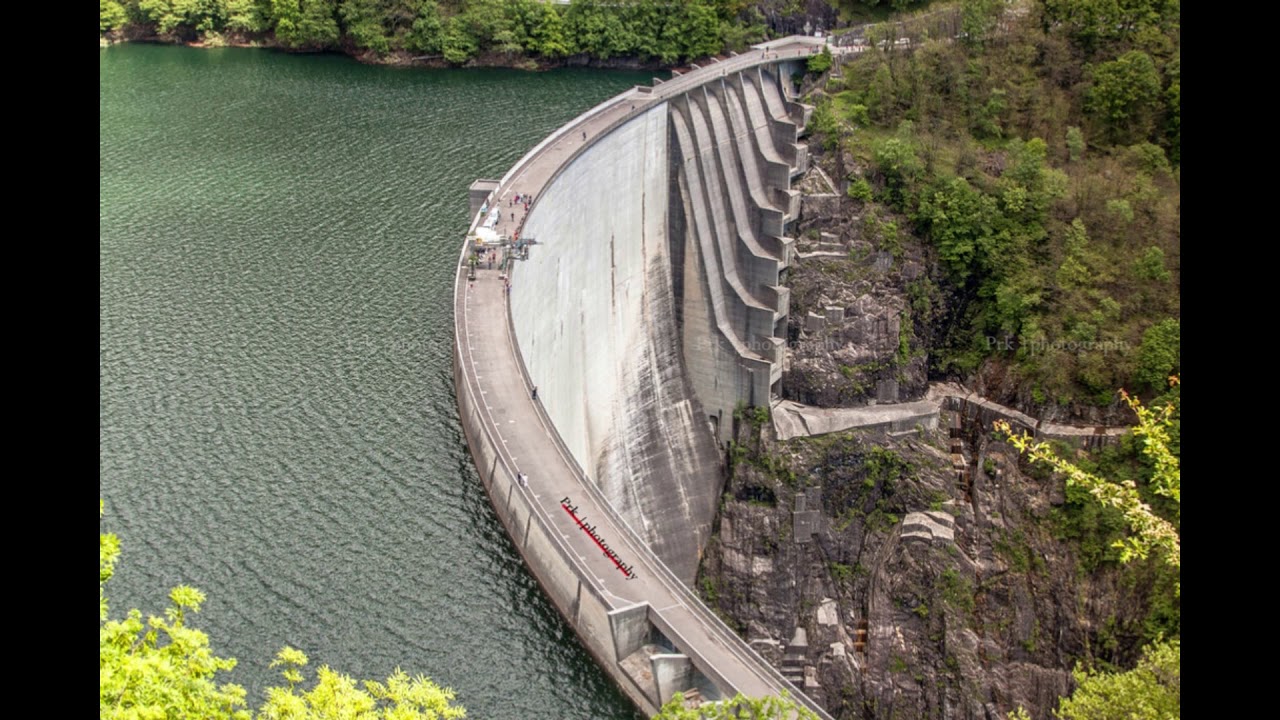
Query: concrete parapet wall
<point>568,585</point>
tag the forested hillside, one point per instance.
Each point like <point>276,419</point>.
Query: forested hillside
<point>453,31</point>
<point>1036,159</point>
<point>994,198</point>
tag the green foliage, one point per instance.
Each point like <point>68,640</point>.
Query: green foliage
<point>457,44</point>
<point>1150,532</point>
<point>966,225</point>
<point>1151,690</point>
<point>457,30</point>
<point>951,139</point>
<point>1094,25</point>
<point>1150,266</point>
<point>1124,95</point>
<point>820,63</point>
<point>248,16</point>
<point>859,189</point>
<point>739,708</point>
<point>644,29</point>
<point>384,26</point>
<point>1075,144</point>
<point>305,24</point>
<point>337,697</point>
<point>1149,158</point>
<point>956,591</point>
<point>160,668</point>
<point>978,20</point>
<point>899,167</point>
<point>164,668</point>
<point>546,35</point>
<point>1159,356</point>
<point>841,572</point>
<point>710,592</point>
<point>885,467</point>
<point>111,15</point>
<point>424,34</point>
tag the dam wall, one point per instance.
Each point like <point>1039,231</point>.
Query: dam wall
<point>599,364</point>
<point>652,303</point>
<point>593,308</point>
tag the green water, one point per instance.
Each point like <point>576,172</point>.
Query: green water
<point>277,424</point>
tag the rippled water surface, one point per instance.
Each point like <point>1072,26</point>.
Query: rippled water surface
<point>277,239</point>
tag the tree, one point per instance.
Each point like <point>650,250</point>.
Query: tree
<point>1125,94</point>
<point>250,16</point>
<point>456,42</point>
<point>1148,531</point>
<point>305,23</point>
<point>1151,690</point>
<point>164,668</point>
<point>820,63</point>
<point>774,707</point>
<point>111,15</point>
<point>1160,353</point>
<point>336,697</point>
<point>548,33</point>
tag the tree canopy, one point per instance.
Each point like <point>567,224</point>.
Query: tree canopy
<point>164,669</point>
<point>454,30</point>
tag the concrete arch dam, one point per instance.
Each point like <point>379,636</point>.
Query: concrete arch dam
<point>648,304</point>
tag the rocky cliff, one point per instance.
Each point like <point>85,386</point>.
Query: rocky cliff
<point>919,576</point>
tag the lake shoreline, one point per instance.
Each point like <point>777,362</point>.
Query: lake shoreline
<point>399,58</point>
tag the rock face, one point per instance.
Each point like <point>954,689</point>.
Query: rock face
<point>929,583</point>
<point>788,17</point>
<point>852,334</point>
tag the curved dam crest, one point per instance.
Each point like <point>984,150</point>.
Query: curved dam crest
<point>646,304</point>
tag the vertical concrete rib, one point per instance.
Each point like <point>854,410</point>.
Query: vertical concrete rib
<point>778,156</point>
<point>714,219</point>
<point>762,178</point>
<point>723,371</point>
<point>759,265</point>
<point>783,120</point>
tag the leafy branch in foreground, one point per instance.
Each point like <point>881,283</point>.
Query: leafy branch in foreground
<point>164,669</point>
<point>1153,688</point>
<point>1149,531</point>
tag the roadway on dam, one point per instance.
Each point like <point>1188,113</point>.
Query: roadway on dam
<point>492,372</point>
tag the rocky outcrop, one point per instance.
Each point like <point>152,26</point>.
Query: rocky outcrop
<point>932,582</point>
<point>852,332</point>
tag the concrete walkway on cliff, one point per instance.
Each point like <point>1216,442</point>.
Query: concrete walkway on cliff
<point>492,370</point>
